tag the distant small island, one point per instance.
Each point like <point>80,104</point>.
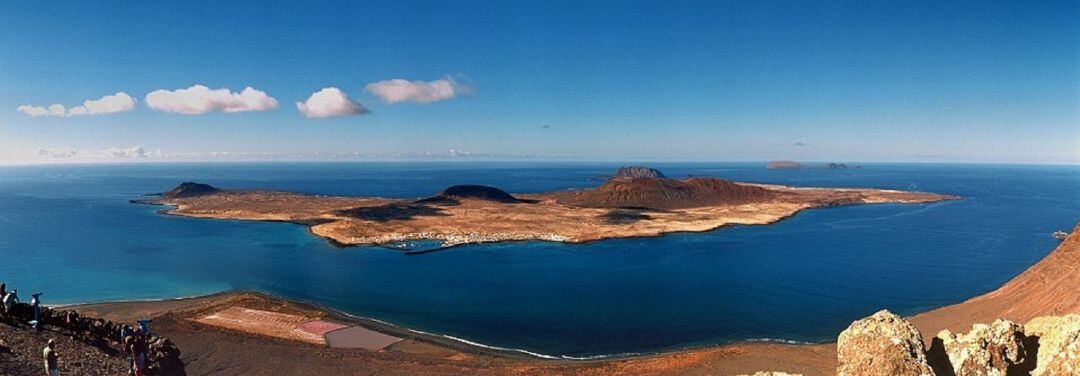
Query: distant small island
<point>781,165</point>
<point>635,202</point>
<point>792,165</point>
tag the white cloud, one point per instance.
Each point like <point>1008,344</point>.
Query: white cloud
<point>33,111</point>
<point>200,99</point>
<point>400,90</point>
<point>330,102</point>
<point>109,104</point>
<point>56,110</point>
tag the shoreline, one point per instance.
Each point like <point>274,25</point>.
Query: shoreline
<point>463,344</point>
<point>1049,287</point>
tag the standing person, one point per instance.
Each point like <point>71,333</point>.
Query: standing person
<point>138,351</point>
<point>3,294</point>
<point>71,320</point>
<point>128,339</point>
<point>9,301</point>
<point>51,366</point>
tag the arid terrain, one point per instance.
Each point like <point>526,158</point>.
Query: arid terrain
<point>621,207</point>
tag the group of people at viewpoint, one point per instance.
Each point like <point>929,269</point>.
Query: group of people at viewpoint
<point>132,339</point>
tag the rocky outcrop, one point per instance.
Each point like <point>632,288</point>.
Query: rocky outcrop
<point>1059,344</point>
<point>189,189</point>
<point>997,349</point>
<point>882,344</point>
<point>885,344</point>
<point>783,165</point>
<point>638,172</point>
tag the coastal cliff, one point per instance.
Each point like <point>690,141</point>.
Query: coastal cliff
<point>1050,287</point>
<point>1029,326</point>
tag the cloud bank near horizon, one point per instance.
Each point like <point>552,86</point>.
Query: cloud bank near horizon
<point>199,99</point>
<point>400,90</point>
<point>109,104</point>
<point>330,102</point>
<point>133,152</point>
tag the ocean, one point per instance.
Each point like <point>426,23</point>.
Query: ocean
<point>70,231</point>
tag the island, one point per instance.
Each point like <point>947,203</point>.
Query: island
<point>783,165</point>
<point>625,206</point>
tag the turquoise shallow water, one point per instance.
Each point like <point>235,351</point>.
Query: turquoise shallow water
<point>71,232</point>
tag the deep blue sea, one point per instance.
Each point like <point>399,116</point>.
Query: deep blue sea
<point>70,231</point>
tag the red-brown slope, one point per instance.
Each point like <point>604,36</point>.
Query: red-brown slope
<point>666,194</point>
<point>1050,287</point>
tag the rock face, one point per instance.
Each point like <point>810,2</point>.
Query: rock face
<point>481,192</point>
<point>882,344</point>
<point>189,189</point>
<point>987,350</point>
<point>1059,344</point>
<point>782,165</point>
<point>638,172</point>
<point>885,344</point>
<point>666,194</point>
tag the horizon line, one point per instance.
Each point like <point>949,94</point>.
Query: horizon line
<point>526,160</point>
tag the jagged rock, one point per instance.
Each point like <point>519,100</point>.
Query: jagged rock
<point>1059,344</point>
<point>987,350</point>
<point>882,344</point>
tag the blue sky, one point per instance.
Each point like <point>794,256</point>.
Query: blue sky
<point>842,81</point>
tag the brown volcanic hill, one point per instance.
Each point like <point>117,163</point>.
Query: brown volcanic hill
<point>638,172</point>
<point>189,189</point>
<point>480,192</point>
<point>666,194</point>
